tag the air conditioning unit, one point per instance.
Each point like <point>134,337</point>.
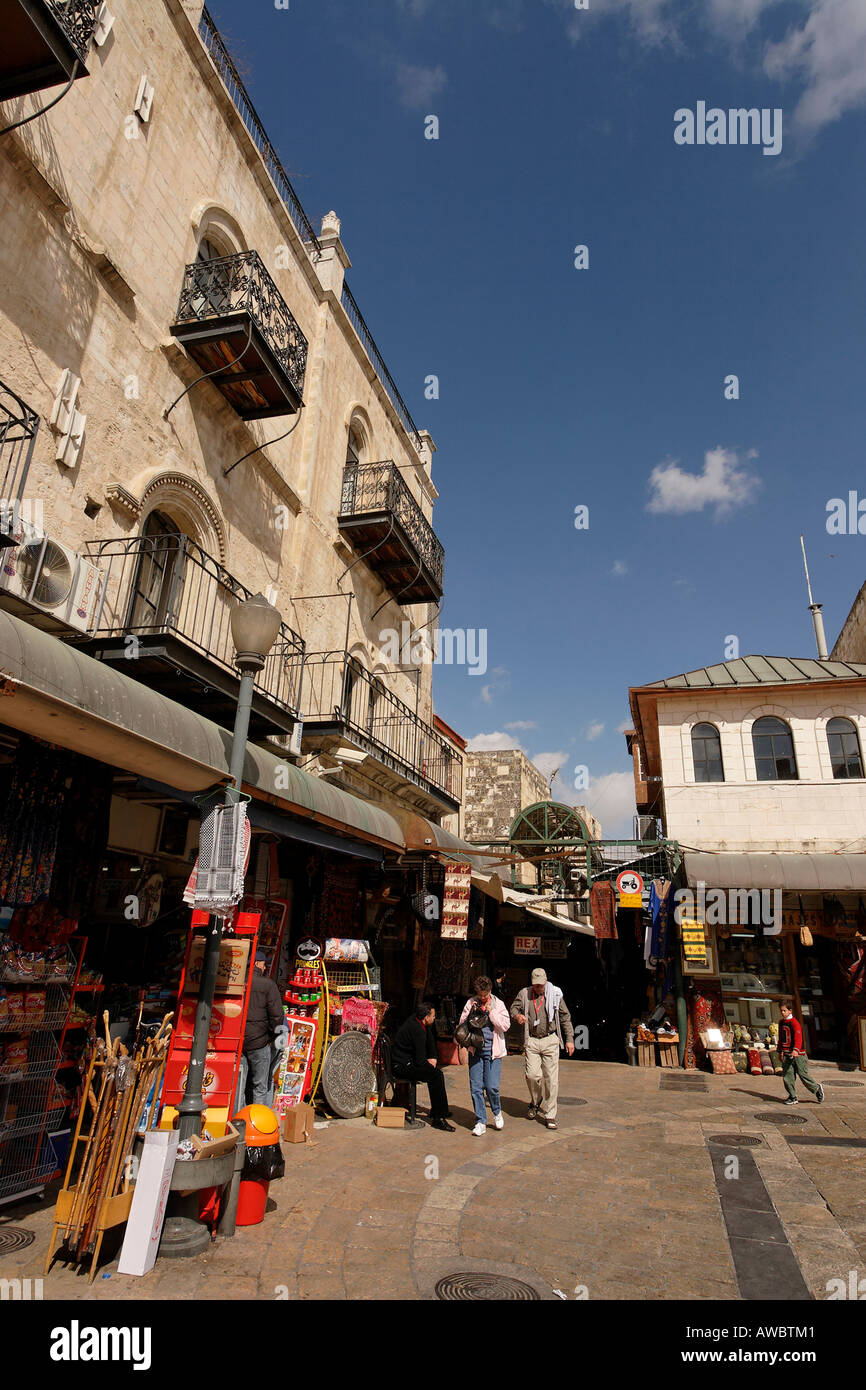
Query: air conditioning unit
<point>52,579</point>
<point>647,827</point>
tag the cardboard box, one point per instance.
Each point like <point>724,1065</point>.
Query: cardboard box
<point>231,971</point>
<point>390,1117</point>
<point>212,1148</point>
<point>296,1123</point>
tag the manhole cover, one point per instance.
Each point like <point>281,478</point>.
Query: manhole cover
<point>775,1119</point>
<point>841,1083</point>
<point>493,1288</point>
<point>576,1100</point>
<point>736,1141</point>
<point>15,1238</point>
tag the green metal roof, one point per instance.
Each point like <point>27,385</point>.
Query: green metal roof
<point>762,670</point>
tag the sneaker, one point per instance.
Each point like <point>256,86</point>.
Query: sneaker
<point>479,1129</point>
<point>532,1112</point>
<point>551,1124</point>
<point>819,1094</point>
<point>792,1100</point>
<point>498,1122</point>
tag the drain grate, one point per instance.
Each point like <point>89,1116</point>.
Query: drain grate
<point>735,1141</point>
<point>15,1238</point>
<point>774,1119</point>
<point>492,1288</point>
<point>570,1100</point>
<point>841,1083</point>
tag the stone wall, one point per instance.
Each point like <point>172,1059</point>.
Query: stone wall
<point>851,642</point>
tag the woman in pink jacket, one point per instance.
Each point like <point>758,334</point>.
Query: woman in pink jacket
<point>485,1063</point>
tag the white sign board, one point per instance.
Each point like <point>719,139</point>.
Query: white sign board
<point>147,1214</point>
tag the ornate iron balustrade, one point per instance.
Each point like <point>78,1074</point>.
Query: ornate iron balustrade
<point>359,324</point>
<point>242,284</point>
<point>168,586</point>
<point>77,19</point>
<point>231,80</point>
<point>379,487</point>
<point>19,425</point>
<point>338,691</point>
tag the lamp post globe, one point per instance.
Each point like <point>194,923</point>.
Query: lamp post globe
<point>255,625</point>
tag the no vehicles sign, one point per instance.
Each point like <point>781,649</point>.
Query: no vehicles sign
<point>629,886</point>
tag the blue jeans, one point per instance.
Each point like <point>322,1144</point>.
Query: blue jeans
<point>260,1082</point>
<point>484,1073</point>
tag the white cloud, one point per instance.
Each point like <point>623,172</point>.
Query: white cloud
<point>724,484</point>
<point>829,51</point>
<point>522,724</point>
<point>625,726</point>
<point>611,800</point>
<point>501,681</point>
<point>548,763</point>
<point>619,568</point>
<point>593,732</point>
<point>419,85</point>
<point>489,743</point>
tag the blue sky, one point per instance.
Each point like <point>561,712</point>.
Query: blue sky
<point>605,386</point>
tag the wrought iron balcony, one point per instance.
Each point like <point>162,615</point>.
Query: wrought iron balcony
<point>43,40</point>
<point>383,521</point>
<point>342,701</point>
<point>234,322</point>
<point>164,618</point>
<point>19,425</point>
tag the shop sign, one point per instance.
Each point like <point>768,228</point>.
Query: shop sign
<point>308,949</point>
<point>811,917</point>
<point>694,941</point>
<point>554,950</point>
<point>527,945</point>
<point>455,901</point>
<point>629,886</point>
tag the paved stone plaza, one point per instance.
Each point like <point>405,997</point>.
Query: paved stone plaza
<point>632,1198</point>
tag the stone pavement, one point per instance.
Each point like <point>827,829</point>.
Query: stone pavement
<point>632,1197</point>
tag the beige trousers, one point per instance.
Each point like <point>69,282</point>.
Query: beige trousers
<point>541,1060</point>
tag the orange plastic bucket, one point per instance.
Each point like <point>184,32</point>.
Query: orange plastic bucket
<point>252,1200</point>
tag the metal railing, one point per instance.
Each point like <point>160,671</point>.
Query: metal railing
<point>19,425</point>
<point>167,585</point>
<point>359,324</point>
<point>338,690</point>
<point>77,19</point>
<point>239,284</point>
<point>379,487</point>
<point>231,80</point>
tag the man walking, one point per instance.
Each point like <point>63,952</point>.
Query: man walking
<point>265,1018</point>
<point>546,1022</point>
<point>793,1057</point>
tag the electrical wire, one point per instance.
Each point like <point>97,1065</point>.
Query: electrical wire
<point>16,125</point>
<point>223,367</point>
<point>267,444</point>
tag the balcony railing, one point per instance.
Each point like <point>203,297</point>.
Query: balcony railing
<point>168,587</point>
<point>340,694</point>
<point>43,40</point>
<point>231,80</point>
<point>233,320</point>
<point>19,425</point>
<point>380,515</point>
<point>359,324</point>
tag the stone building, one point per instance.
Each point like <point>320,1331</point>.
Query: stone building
<point>206,410</point>
<point>851,642</point>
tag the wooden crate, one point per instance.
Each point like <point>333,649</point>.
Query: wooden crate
<point>646,1054</point>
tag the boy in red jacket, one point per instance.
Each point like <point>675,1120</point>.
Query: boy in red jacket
<point>793,1057</point>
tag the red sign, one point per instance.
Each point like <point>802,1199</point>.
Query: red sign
<point>527,945</point>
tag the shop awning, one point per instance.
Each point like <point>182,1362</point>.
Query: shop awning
<point>54,691</point>
<point>551,919</point>
<point>797,873</point>
<point>423,835</point>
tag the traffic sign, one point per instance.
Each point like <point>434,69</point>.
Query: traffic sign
<point>629,884</point>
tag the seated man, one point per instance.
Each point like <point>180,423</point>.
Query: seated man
<point>414,1058</point>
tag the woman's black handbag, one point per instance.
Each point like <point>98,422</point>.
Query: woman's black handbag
<point>470,1033</point>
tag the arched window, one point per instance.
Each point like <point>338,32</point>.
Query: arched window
<point>355,445</point>
<point>773,743</point>
<point>844,742</point>
<point>158,585</point>
<point>707,753</point>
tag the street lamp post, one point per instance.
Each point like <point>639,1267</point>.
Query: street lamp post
<point>255,624</point>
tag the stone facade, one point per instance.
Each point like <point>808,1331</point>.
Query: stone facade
<point>851,642</point>
<point>102,212</point>
<point>815,814</point>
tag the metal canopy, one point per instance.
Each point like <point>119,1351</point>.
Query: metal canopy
<point>799,873</point>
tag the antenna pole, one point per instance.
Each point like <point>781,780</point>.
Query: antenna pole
<point>815,610</point>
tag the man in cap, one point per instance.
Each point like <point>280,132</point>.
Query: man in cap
<point>547,1027</point>
<point>265,1019</point>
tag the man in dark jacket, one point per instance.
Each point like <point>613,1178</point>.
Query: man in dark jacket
<point>265,1018</point>
<point>414,1058</point>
